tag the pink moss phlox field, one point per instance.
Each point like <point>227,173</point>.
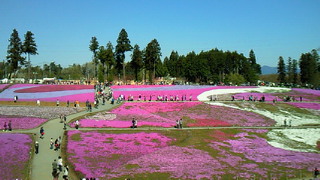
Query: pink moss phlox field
<point>180,162</point>
<point>14,155</point>
<point>308,91</point>
<point>137,86</point>
<point>165,114</point>
<point>23,85</point>
<point>258,150</point>
<point>118,124</point>
<point>2,86</point>
<point>49,88</point>
<point>21,122</point>
<point>268,96</point>
<point>71,98</point>
<point>50,93</point>
<point>88,153</point>
<point>257,154</point>
<point>165,90</point>
<point>315,106</point>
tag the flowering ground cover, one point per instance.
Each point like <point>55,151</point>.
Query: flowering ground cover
<point>188,154</point>
<point>245,96</point>
<point>189,91</point>
<point>194,114</point>
<point>21,122</point>
<point>63,93</point>
<point>315,106</point>
<point>14,156</point>
<point>40,112</point>
<point>50,88</point>
<point>2,86</point>
<point>302,140</point>
<point>279,112</point>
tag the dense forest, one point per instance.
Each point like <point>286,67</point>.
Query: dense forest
<point>146,65</point>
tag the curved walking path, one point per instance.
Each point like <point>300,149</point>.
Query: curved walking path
<point>42,162</point>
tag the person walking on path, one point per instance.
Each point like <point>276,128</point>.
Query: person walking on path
<point>55,173</point>
<point>36,146</point>
<point>60,165</point>
<point>51,143</point>
<point>65,172</point>
<point>57,103</point>
<point>56,145</point>
<point>41,133</point>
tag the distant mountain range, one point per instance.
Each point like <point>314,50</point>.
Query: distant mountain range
<point>269,70</point>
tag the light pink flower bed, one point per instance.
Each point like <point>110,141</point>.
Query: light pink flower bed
<point>2,86</point>
<point>221,154</point>
<point>22,85</point>
<point>21,122</point>
<point>14,156</point>
<point>50,93</point>
<point>152,92</point>
<point>258,96</point>
<point>165,114</point>
<point>118,148</point>
<point>315,106</point>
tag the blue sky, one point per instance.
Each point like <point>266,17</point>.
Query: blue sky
<point>63,29</point>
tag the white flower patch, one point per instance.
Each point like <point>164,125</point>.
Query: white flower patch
<point>303,140</point>
<point>103,116</point>
<point>204,96</point>
<point>278,117</point>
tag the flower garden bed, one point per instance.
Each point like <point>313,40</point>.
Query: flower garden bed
<point>315,106</point>
<point>14,156</point>
<point>50,93</point>
<point>3,86</point>
<point>21,122</point>
<point>296,93</point>
<point>188,154</point>
<point>40,112</point>
<point>194,114</point>
<point>151,92</point>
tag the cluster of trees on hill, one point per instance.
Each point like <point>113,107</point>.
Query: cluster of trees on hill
<point>309,64</point>
<point>208,66</point>
<point>108,63</point>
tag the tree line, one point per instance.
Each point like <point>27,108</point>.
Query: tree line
<point>214,66</point>
<point>309,66</point>
<point>145,65</point>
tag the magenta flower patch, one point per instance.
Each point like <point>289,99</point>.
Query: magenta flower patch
<point>31,92</point>
<point>2,86</point>
<point>21,122</point>
<point>14,155</point>
<point>97,154</point>
<point>315,106</point>
<point>174,91</point>
<point>194,114</point>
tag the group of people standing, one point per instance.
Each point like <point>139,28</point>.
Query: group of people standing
<point>7,127</point>
<point>57,168</point>
<point>134,123</point>
<point>179,124</point>
<point>56,144</point>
